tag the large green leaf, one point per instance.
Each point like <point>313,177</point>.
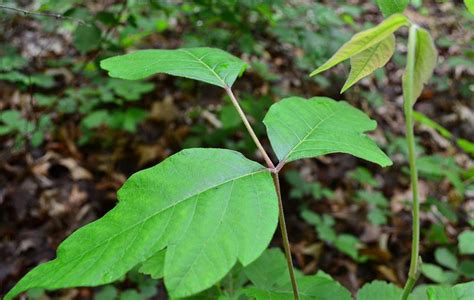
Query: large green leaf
<point>418,74</point>
<point>300,128</point>
<point>364,40</point>
<point>270,279</point>
<point>390,7</point>
<point>207,207</point>
<point>367,61</point>
<point>210,65</point>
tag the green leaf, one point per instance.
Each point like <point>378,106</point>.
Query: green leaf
<point>445,258</point>
<point>437,274</point>
<point>209,208</point>
<point>300,128</point>
<point>269,275</point>
<point>364,40</point>
<point>462,291</point>
<point>86,38</point>
<point>466,268</point>
<point>269,270</point>
<point>379,290</point>
<point>348,244</point>
<point>470,5</point>
<point>425,57</point>
<point>210,65</point>
<point>323,225</point>
<point>108,292</point>
<point>130,90</point>
<point>466,242</point>
<point>390,7</point>
<point>367,61</point>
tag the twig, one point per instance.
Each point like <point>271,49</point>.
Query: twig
<point>43,14</point>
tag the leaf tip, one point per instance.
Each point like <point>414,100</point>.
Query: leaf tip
<point>345,88</point>
<point>315,72</point>
<point>385,162</point>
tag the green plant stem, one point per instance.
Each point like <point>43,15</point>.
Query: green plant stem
<point>414,271</point>
<point>286,242</point>
<point>249,127</point>
<point>276,181</point>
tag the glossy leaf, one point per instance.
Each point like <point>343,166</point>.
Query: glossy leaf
<point>300,128</point>
<point>364,40</point>
<point>269,275</point>
<point>209,208</point>
<point>416,76</point>
<point>390,7</point>
<point>210,65</point>
<point>369,60</point>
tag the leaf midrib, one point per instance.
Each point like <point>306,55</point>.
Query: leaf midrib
<point>316,126</point>
<point>206,65</point>
<point>375,47</point>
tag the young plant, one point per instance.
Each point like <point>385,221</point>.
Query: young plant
<point>372,49</point>
<point>192,217</point>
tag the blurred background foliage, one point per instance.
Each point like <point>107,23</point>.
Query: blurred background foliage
<point>71,135</point>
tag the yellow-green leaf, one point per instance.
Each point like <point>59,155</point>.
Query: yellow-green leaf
<point>364,40</point>
<point>367,61</point>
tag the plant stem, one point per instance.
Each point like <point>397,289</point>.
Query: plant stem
<point>249,127</point>
<point>286,242</point>
<point>276,181</point>
<point>414,271</point>
<point>42,14</point>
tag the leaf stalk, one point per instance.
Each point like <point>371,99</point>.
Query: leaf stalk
<point>249,128</point>
<point>276,180</point>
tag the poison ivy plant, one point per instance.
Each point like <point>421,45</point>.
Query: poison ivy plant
<point>194,216</point>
